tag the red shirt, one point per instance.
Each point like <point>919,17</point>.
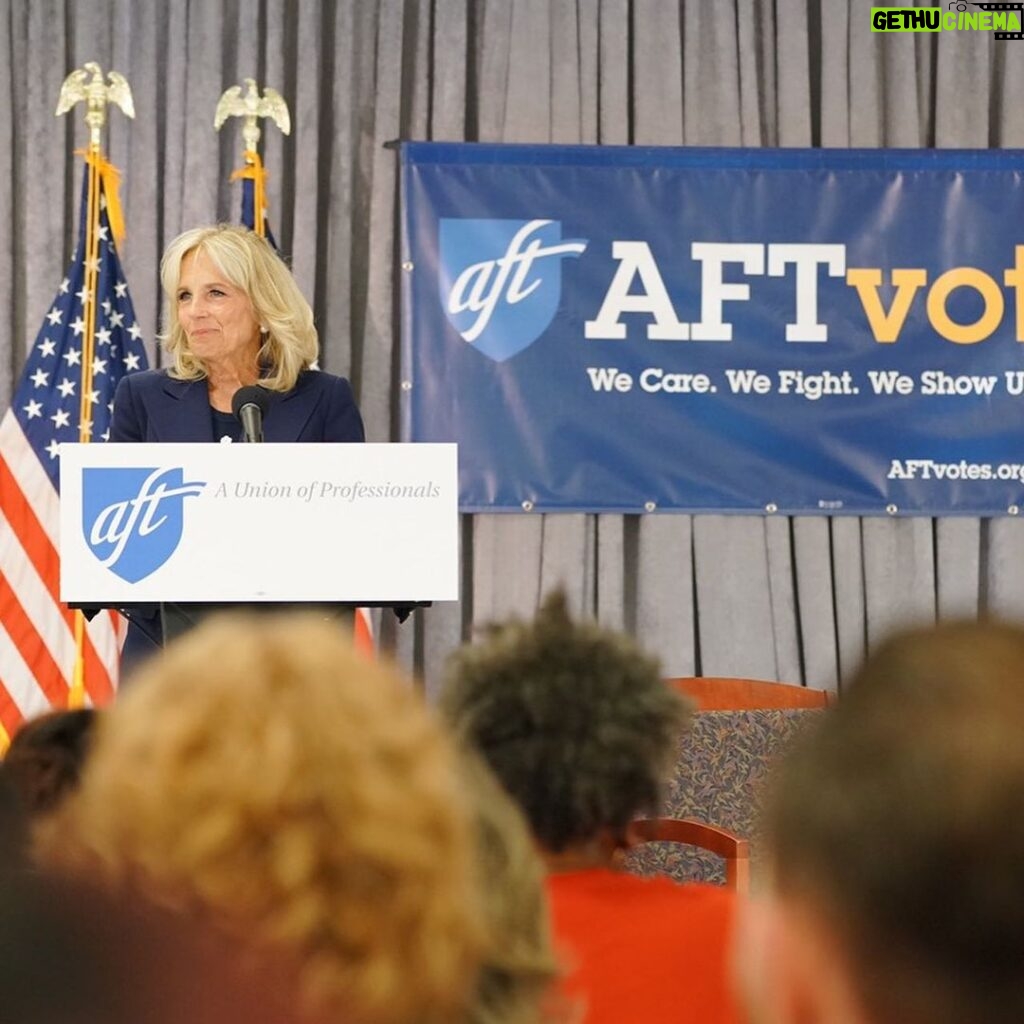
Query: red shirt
<point>644,950</point>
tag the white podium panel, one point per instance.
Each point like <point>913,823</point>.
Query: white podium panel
<point>258,522</point>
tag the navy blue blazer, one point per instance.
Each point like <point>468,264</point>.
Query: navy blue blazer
<point>151,406</point>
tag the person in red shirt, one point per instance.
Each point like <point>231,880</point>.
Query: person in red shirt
<point>579,726</point>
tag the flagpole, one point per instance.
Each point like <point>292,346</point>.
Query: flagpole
<point>251,106</point>
<point>92,224</point>
<point>76,692</point>
<point>79,86</point>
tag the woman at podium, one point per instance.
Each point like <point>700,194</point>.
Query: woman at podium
<point>240,344</point>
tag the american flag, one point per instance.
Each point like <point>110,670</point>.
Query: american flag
<point>252,186</point>
<point>38,650</point>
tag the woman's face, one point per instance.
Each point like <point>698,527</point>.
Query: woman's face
<point>216,316</point>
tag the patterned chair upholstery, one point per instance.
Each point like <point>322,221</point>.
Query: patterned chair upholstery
<point>723,761</point>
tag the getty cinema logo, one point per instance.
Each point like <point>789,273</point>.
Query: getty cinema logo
<point>501,280</point>
<point>132,518</point>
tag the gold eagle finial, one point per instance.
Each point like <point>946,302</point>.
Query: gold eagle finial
<point>79,86</point>
<point>252,106</point>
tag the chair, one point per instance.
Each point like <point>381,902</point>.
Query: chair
<point>725,844</point>
<point>740,728</point>
<point>721,694</point>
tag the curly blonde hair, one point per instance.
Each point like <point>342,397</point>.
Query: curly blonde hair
<point>262,773</point>
<point>248,261</point>
<point>515,983</point>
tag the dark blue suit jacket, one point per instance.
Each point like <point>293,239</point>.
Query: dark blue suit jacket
<point>150,406</point>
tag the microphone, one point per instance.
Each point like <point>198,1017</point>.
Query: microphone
<point>249,404</point>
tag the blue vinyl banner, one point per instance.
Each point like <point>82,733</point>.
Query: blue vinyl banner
<point>629,329</point>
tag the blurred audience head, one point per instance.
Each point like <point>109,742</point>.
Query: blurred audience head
<point>71,953</point>
<point>13,825</point>
<point>514,984</point>
<point>574,720</point>
<point>896,831</point>
<point>263,775</point>
<point>46,757</point>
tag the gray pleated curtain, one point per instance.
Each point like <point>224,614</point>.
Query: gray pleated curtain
<point>798,599</point>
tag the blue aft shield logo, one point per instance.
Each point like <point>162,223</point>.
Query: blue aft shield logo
<point>501,280</point>
<point>132,518</point>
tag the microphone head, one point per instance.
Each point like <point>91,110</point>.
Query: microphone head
<point>251,395</point>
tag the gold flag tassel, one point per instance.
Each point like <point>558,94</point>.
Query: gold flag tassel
<point>86,84</point>
<point>255,172</point>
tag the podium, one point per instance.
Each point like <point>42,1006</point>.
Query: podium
<point>192,528</point>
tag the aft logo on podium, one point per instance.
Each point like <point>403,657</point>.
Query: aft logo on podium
<point>501,280</point>
<point>133,518</point>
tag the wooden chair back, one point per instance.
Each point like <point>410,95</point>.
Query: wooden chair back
<point>726,694</point>
<point>733,849</point>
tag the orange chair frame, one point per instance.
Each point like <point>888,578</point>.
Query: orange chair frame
<point>725,694</point>
<point>731,847</point>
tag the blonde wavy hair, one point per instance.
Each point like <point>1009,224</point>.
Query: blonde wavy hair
<point>515,982</point>
<point>290,344</point>
<point>263,775</point>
